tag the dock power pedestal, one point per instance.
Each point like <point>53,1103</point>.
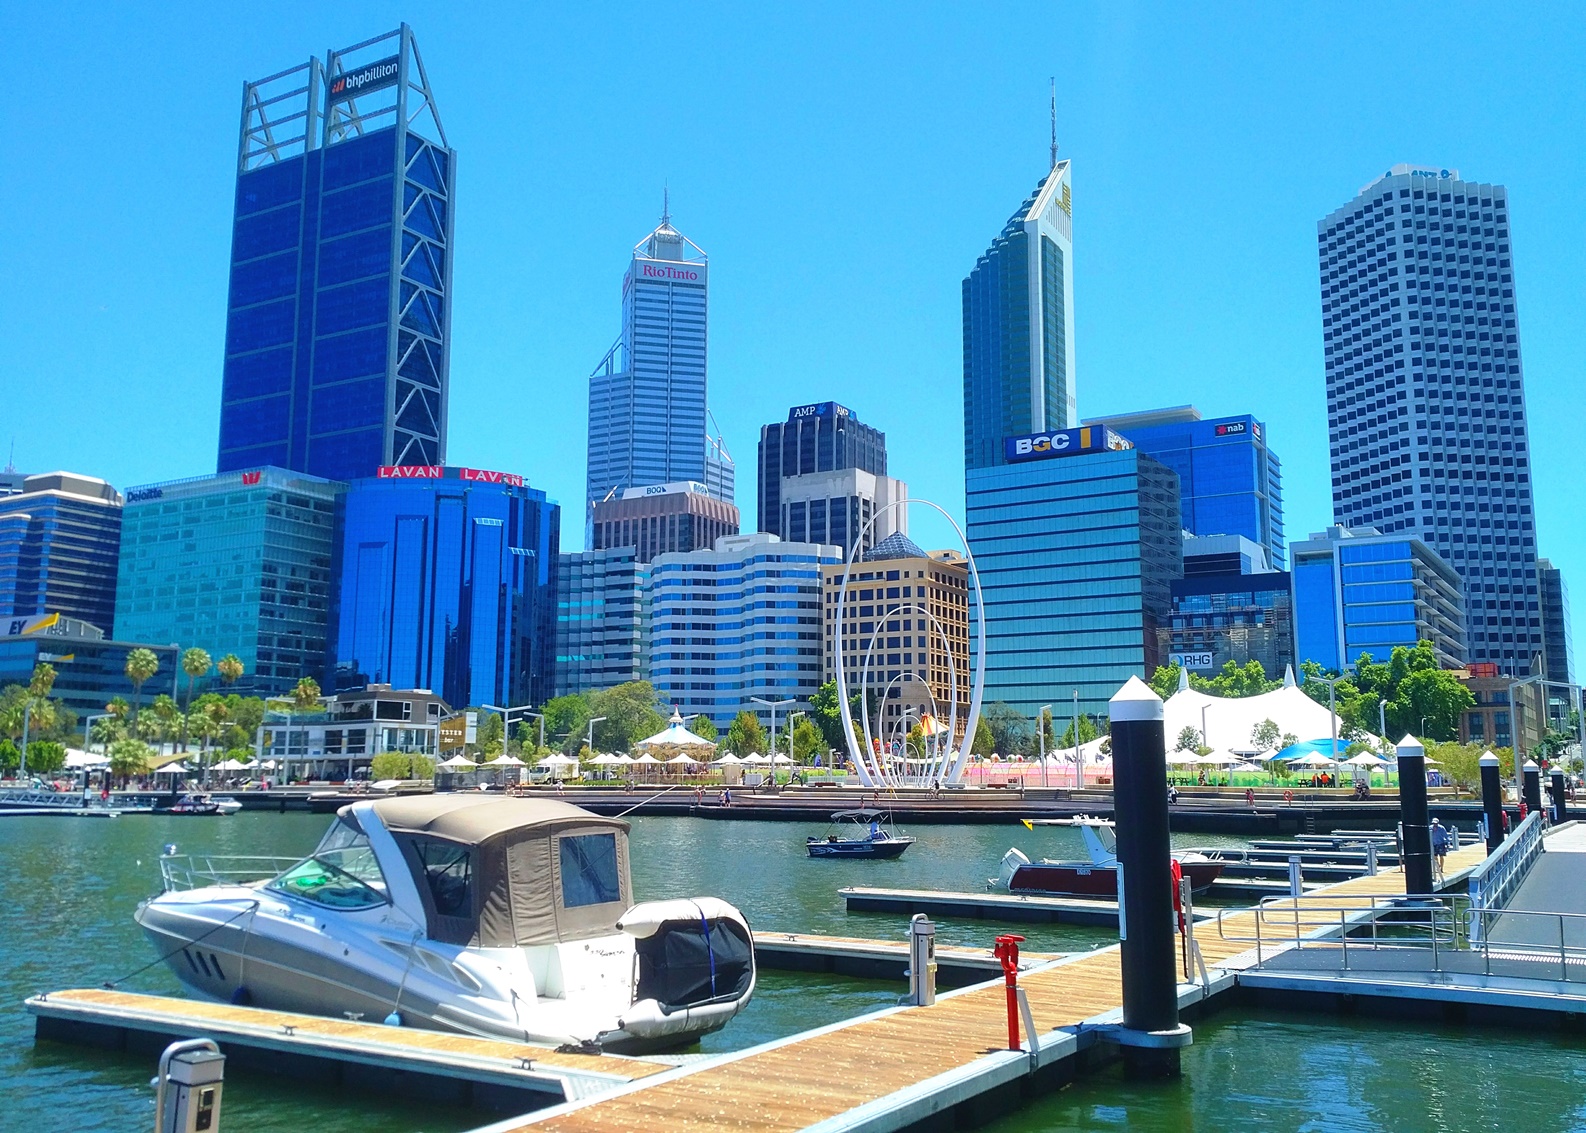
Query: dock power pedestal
<point>187,1089</point>
<point>922,960</point>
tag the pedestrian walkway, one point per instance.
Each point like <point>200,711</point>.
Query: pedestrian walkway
<point>1555,884</point>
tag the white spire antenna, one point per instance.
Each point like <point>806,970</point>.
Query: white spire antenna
<point>666,204</point>
<point>1054,121</point>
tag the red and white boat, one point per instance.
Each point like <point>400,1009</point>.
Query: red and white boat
<point>1097,877</point>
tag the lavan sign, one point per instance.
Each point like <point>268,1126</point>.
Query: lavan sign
<point>384,73</point>
<point>1062,442</point>
<point>443,472</point>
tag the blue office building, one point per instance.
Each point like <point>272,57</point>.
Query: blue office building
<point>338,316</point>
<point>1018,306</point>
<point>1230,482</point>
<point>60,538</point>
<point>447,582</point>
<point>1230,606</point>
<point>600,619</point>
<point>90,669</point>
<point>647,407</point>
<point>1425,399</point>
<point>1358,590</point>
<point>1077,542</point>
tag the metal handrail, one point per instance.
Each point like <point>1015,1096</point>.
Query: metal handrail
<point>195,871</point>
<point>1493,882</point>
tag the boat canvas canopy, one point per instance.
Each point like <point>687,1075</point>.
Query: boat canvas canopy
<point>507,873</point>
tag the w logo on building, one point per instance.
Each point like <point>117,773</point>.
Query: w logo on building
<point>251,478</point>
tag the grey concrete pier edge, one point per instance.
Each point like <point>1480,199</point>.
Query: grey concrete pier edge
<point>1151,1033</point>
<point>1416,857</point>
<point>1492,800</point>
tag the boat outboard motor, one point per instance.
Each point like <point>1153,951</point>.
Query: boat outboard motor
<point>1012,862</point>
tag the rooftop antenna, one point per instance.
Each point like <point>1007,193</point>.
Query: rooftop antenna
<point>666,204</point>
<point>1054,121</point>
<point>11,461</point>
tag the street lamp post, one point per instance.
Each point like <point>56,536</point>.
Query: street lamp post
<point>1040,729</point>
<point>773,705</point>
<point>593,720</point>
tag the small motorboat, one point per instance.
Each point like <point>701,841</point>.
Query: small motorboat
<point>1098,876</point>
<point>194,804</point>
<point>501,917</point>
<point>226,803</point>
<point>861,833</point>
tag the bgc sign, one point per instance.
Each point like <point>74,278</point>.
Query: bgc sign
<point>1062,442</point>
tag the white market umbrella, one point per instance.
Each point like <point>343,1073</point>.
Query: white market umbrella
<point>1366,759</point>
<point>558,760</point>
<point>755,757</point>
<point>781,758</point>
<point>505,760</point>
<point>1182,758</point>
<point>682,761</point>
<point>727,760</point>
<point>230,765</point>
<point>605,760</point>
<point>647,758</point>
<point>177,768</point>
<point>82,761</point>
<point>458,763</point>
<point>1314,759</point>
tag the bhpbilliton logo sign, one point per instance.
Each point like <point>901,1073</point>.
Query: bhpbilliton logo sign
<point>365,79</point>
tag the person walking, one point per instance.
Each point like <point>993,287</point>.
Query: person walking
<point>1440,843</point>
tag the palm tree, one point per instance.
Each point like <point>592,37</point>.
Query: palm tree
<point>231,669</point>
<point>195,663</point>
<point>141,665</point>
<point>207,721</point>
<point>306,694</point>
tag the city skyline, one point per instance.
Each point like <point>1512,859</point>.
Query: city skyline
<point>747,376</point>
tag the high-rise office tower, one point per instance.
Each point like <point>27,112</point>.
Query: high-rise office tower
<point>1426,408</point>
<point>338,319</point>
<point>823,477</point>
<point>1230,482</point>
<point>60,538</point>
<point>1555,622</point>
<point>647,410</point>
<point>1019,326</point>
<point>661,519</point>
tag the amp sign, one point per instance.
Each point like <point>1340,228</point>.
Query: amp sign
<point>1062,442</point>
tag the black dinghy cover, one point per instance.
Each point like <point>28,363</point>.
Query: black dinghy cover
<point>691,963</point>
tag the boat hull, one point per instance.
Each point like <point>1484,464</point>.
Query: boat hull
<point>1082,879</point>
<point>885,848</point>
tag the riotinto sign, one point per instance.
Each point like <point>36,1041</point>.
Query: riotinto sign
<point>1062,442</point>
<point>365,79</point>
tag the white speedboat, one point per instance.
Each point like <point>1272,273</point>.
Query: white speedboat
<point>226,803</point>
<point>511,918</point>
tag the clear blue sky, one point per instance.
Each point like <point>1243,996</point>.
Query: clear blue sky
<point>842,164</point>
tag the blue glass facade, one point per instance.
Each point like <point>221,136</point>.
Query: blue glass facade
<point>59,541</point>
<point>823,437</point>
<point>1365,592</point>
<point>1425,398</point>
<point>599,619</point>
<point>447,582</point>
<point>97,671</point>
<point>1018,305</point>
<point>1230,482</point>
<point>337,322</point>
<point>238,562</point>
<point>1076,556</point>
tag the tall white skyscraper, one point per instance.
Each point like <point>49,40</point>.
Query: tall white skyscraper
<point>647,416</point>
<point>1426,408</point>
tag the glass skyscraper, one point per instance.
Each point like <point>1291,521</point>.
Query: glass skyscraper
<point>1426,407</point>
<point>1230,482</point>
<point>338,316</point>
<point>1077,542</point>
<point>447,582</point>
<point>59,541</point>
<point>238,562</point>
<point>1019,326</point>
<point>1363,591</point>
<point>647,408</point>
<point>599,619</point>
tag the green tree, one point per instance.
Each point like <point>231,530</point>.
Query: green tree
<point>129,757</point>
<point>746,735</point>
<point>305,694</point>
<point>168,716</point>
<point>491,734</point>
<point>195,663</point>
<point>1237,681</point>
<point>807,740</point>
<point>630,715</point>
<point>140,666</point>
<point>1265,736</point>
<point>1433,695</point>
<point>1164,682</point>
<point>231,669</point>
<point>43,680</point>
<point>45,756</point>
<point>828,717</point>
<point>401,765</point>
<point>10,758</point>
<point>567,716</point>
<point>244,715</point>
<point>984,743</point>
<point>1010,729</point>
<point>1189,739</point>
<point>703,727</point>
<point>1087,732</point>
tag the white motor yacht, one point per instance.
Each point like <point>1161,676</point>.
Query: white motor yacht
<point>511,918</point>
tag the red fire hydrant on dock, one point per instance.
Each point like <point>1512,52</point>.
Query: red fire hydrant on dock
<point>1007,951</point>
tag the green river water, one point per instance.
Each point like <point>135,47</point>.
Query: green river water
<point>70,886</point>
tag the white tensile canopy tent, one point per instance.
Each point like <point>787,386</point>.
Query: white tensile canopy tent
<point>1231,721</point>
<point>676,735</point>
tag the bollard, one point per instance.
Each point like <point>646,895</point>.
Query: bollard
<point>1416,854</point>
<point>1151,1033</point>
<point>1492,800</point>
<point>1371,859</point>
<point>1531,790</point>
<point>1007,951</point>
<point>1296,883</point>
<point>1556,790</point>
<point>922,960</point>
